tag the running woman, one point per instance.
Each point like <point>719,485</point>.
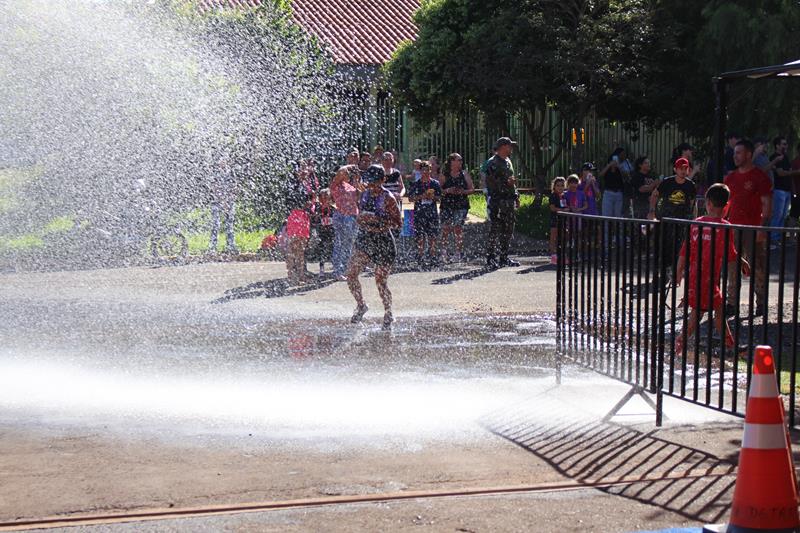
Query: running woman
<point>378,215</point>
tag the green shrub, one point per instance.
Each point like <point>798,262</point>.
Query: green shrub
<point>533,219</point>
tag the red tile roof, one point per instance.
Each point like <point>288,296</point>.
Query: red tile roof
<point>358,32</point>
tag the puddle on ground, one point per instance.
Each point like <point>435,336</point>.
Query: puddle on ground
<point>427,378</point>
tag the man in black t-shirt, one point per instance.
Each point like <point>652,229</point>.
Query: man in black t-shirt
<point>677,194</point>
<point>783,179</point>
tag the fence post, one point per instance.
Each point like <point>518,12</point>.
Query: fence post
<point>559,296</point>
<point>659,324</point>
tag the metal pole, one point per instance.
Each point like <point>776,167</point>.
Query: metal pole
<point>720,124</point>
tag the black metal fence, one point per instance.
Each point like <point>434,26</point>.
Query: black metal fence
<point>676,307</point>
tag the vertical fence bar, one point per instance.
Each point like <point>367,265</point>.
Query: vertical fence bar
<point>711,286</point>
<point>795,298</point>
<point>698,311</point>
<point>737,295</point>
<point>639,246</point>
<point>765,298</point>
<point>685,319</point>
<point>559,286</point>
<point>567,283</point>
<point>582,270</point>
<point>781,280</point>
<point>573,246</point>
<point>658,304</point>
<point>607,246</point>
<point>650,249</point>
<point>750,318</point>
<point>623,334</point>
<point>726,244</point>
<point>617,252</point>
<point>603,298</point>
<point>595,271</point>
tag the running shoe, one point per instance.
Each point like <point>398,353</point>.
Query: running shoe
<point>506,262</point>
<point>387,320</point>
<point>359,313</point>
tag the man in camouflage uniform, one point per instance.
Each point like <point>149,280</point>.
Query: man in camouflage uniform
<point>502,201</point>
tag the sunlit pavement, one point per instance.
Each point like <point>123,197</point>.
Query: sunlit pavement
<point>206,384</point>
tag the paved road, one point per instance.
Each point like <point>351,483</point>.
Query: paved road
<point>214,383</point>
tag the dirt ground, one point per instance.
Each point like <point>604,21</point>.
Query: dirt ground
<point>56,462</point>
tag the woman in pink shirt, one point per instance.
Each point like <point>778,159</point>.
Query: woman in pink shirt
<point>345,197</point>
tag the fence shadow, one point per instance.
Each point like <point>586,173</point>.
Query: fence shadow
<point>469,274</point>
<point>273,288</point>
<point>584,450</point>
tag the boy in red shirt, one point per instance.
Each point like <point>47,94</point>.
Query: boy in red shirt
<point>716,200</point>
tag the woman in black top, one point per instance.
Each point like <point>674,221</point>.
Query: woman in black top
<point>614,184</point>
<point>643,184</point>
<point>456,188</point>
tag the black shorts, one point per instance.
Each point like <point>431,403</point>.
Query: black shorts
<point>426,224</point>
<point>379,247</point>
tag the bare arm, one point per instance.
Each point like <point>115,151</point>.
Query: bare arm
<point>679,270</point>
<point>395,219</point>
<point>766,210</point>
<point>653,203</point>
<point>470,185</point>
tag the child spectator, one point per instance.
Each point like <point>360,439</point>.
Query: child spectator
<point>590,189</point>
<point>322,222</point>
<point>717,198</point>
<point>300,200</point>
<point>557,203</point>
<point>425,193</point>
<point>576,200</point>
<point>416,173</point>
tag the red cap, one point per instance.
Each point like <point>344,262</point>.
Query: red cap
<point>682,162</point>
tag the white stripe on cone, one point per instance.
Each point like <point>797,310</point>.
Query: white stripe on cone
<point>763,386</point>
<point>764,437</point>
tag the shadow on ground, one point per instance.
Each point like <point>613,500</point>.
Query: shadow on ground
<point>583,450</point>
<point>273,288</point>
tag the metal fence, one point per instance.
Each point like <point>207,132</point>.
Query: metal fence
<point>629,307</point>
<point>468,133</point>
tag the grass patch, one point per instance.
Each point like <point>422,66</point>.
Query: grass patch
<point>10,180</point>
<point>21,243</point>
<point>246,241</point>
<point>533,218</point>
<point>785,374</point>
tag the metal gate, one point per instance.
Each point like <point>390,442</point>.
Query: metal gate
<point>626,305</point>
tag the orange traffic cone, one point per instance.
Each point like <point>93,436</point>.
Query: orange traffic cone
<point>765,498</point>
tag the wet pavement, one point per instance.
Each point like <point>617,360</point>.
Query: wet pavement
<point>139,388</point>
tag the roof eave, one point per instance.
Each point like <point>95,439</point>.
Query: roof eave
<point>786,70</point>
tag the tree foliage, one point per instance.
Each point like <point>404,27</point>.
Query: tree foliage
<point>522,57</point>
<point>645,61</point>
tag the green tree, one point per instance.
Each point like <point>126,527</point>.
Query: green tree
<point>699,40</point>
<point>523,57</point>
